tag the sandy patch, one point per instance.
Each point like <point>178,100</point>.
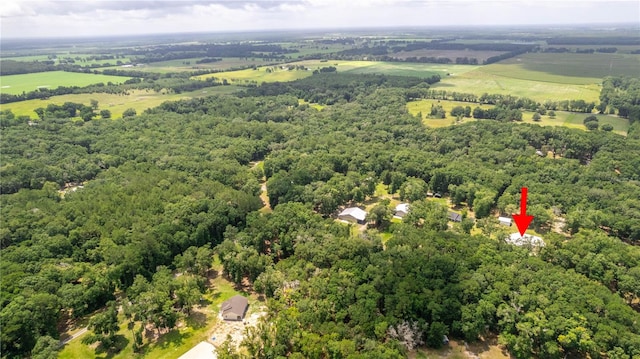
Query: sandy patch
<point>204,350</point>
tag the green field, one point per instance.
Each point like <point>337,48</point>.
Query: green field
<point>139,100</point>
<point>16,84</point>
<point>480,81</point>
<point>187,65</point>
<point>567,68</point>
<point>356,67</point>
<point>562,118</point>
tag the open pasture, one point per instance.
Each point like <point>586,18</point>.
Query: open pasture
<point>16,84</point>
<point>562,118</point>
<point>424,107</point>
<point>575,120</point>
<point>139,100</point>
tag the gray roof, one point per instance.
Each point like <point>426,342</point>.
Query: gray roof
<point>237,304</point>
<point>456,217</point>
<point>355,212</point>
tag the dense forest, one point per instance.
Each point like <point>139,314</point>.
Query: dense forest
<point>164,190</point>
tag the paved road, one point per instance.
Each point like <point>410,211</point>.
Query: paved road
<point>79,333</point>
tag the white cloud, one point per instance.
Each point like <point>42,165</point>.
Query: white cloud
<point>31,18</point>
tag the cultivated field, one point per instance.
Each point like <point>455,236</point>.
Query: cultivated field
<point>186,65</point>
<point>357,67</point>
<point>80,59</point>
<point>139,100</point>
<point>451,54</point>
<point>480,81</point>
<point>567,68</point>
<point>16,84</point>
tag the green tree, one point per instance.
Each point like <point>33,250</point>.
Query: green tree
<point>130,112</point>
<point>46,348</point>
<point>105,114</point>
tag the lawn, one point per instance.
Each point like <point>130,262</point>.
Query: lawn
<point>16,84</point>
<point>139,100</point>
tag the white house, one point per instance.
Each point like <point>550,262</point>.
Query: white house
<point>527,239</point>
<point>505,221</point>
<point>401,210</point>
<point>353,214</point>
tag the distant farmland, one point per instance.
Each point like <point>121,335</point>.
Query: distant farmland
<point>356,67</point>
<point>16,84</point>
<point>567,68</point>
<point>450,54</point>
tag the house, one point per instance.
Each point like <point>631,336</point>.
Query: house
<point>234,308</point>
<point>401,210</point>
<point>518,240</point>
<point>353,214</point>
<point>455,217</point>
<point>505,221</point>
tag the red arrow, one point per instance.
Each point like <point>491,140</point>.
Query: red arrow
<point>523,220</point>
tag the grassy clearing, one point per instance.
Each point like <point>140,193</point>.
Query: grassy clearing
<point>575,120</point>
<point>139,100</point>
<point>259,75</point>
<point>567,68</point>
<point>16,84</point>
<point>562,118</point>
<point>424,107</point>
<point>317,106</point>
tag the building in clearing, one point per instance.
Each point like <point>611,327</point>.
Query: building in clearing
<point>505,221</point>
<point>234,308</point>
<point>353,214</point>
<point>455,217</point>
<point>527,239</point>
<point>401,210</point>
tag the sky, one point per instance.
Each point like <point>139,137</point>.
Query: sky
<point>88,18</point>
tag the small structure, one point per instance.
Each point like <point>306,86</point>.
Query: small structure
<point>353,214</point>
<point>505,221</point>
<point>401,210</point>
<point>518,240</point>
<point>539,153</point>
<point>234,308</point>
<point>455,217</point>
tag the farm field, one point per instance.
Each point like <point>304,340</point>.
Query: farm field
<point>567,68</point>
<point>16,84</point>
<point>562,118</point>
<point>480,81</point>
<point>451,54</point>
<point>186,65</point>
<point>80,59</point>
<point>139,100</point>
<point>357,67</point>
